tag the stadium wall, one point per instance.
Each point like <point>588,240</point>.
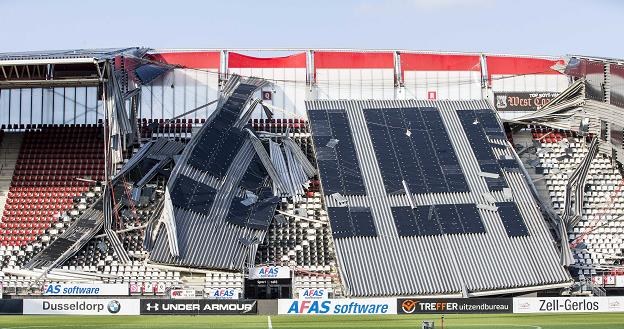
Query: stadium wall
<point>288,75</point>
<point>354,75</point>
<point>195,83</point>
<point>299,76</point>
<point>513,74</point>
<point>441,76</point>
<point>361,306</point>
<point>59,105</point>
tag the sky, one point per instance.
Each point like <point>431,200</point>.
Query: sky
<point>546,27</point>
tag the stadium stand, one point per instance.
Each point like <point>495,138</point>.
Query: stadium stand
<point>211,171</point>
<point>577,160</point>
<point>44,180</point>
<point>597,235</point>
<point>55,178</point>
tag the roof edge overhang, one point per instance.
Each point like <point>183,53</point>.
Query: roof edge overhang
<point>46,61</point>
<point>521,289</point>
<point>359,50</point>
<point>14,84</point>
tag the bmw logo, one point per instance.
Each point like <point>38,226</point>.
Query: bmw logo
<point>114,306</point>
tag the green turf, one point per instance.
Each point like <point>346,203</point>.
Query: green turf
<point>508,321</point>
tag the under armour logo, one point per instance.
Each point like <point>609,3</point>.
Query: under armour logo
<point>152,307</point>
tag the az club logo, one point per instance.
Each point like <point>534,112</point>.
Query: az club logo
<point>114,307</point>
<point>409,306</point>
<point>151,307</point>
<point>614,305</point>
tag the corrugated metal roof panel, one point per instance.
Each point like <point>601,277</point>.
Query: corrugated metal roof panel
<point>448,264</point>
<point>206,239</point>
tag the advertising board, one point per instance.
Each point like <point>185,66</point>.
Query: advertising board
<point>314,293</point>
<point>337,306</point>
<point>522,101</point>
<point>454,305</point>
<point>269,272</point>
<point>64,306</point>
<point>85,289</point>
<point>198,306</point>
<point>568,304</point>
<point>182,293</point>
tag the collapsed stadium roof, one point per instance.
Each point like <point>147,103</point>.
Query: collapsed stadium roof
<point>218,200</point>
<point>467,224</point>
<point>468,227</point>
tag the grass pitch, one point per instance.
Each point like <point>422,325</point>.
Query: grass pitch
<point>451,321</point>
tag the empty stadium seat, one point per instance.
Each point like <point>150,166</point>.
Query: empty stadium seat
<point>45,181</point>
<point>601,225</point>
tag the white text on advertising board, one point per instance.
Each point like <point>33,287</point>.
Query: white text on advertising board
<point>82,306</point>
<point>198,306</point>
<point>337,306</point>
<point>454,305</point>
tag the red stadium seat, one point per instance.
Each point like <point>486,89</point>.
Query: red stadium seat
<point>44,181</point>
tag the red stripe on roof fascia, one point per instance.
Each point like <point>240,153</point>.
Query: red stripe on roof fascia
<point>195,59</point>
<point>433,62</point>
<point>236,60</point>
<point>520,65</point>
<point>353,60</point>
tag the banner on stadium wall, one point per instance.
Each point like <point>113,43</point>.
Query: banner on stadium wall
<point>337,306</point>
<point>314,293</point>
<point>522,101</point>
<point>224,293</point>
<point>609,280</point>
<point>182,293</point>
<point>619,281</point>
<point>198,306</point>
<point>568,304</point>
<point>62,306</point>
<point>135,288</point>
<point>269,272</point>
<point>85,289</point>
<point>160,287</point>
<point>454,305</point>
<point>148,288</point>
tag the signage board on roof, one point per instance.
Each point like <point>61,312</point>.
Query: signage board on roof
<point>522,101</point>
